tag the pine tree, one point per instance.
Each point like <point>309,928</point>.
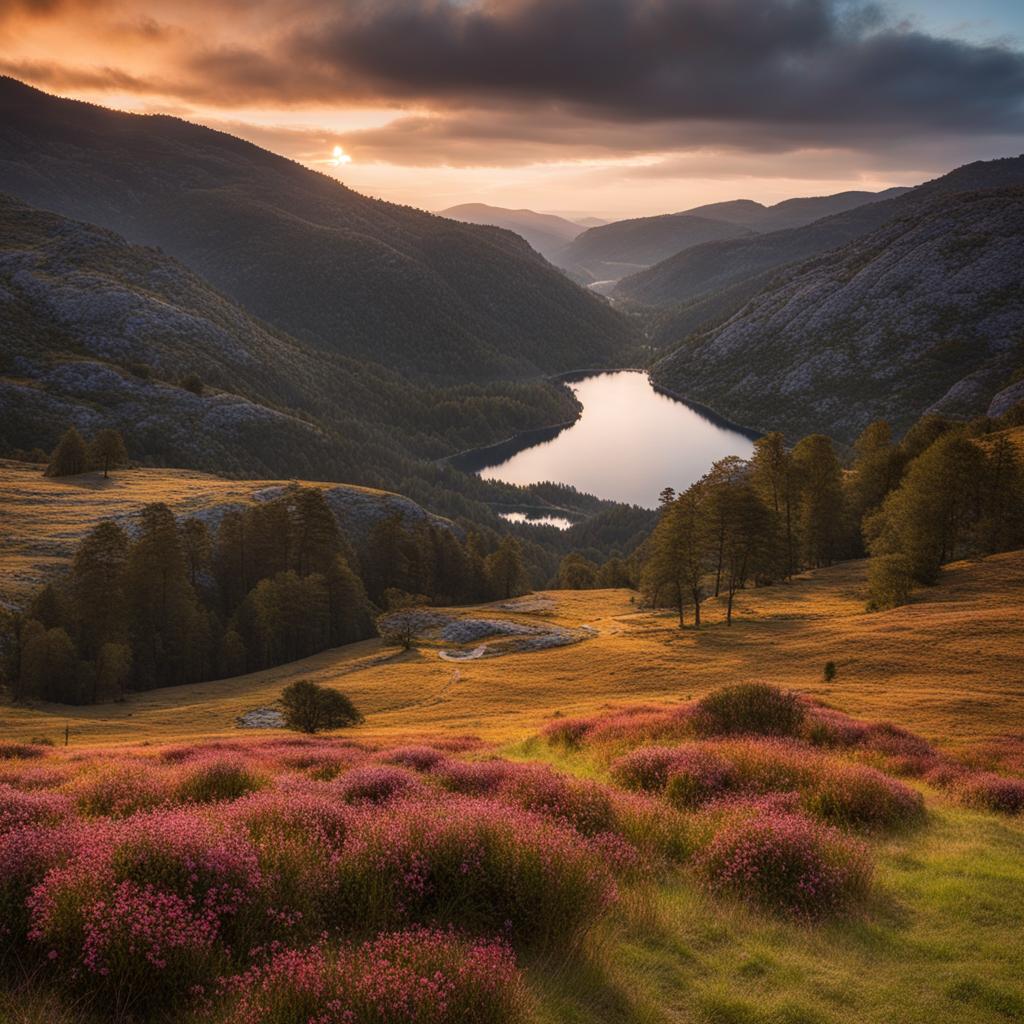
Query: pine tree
<point>931,517</point>
<point>576,573</point>
<point>197,547</point>
<point>107,451</point>
<point>821,509</point>
<point>876,470</point>
<point>230,561</point>
<point>681,552</point>
<point>348,608</point>
<point>774,478</point>
<point>504,568</point>
<point>166,626</point>
<point>70,457</point>
<point>316,539</point>
<point>98,579</point>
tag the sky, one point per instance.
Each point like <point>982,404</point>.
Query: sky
<point>608,108</point>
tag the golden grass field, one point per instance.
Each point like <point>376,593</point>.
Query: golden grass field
<point>940,941</point>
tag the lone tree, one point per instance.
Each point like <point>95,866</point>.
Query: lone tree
<point>70,457</point>
<point>108,451</point>
<point>310,708</point>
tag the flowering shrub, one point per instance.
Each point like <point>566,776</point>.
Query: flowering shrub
<point>117,792</point>
<point>419,758</point>
<point>375,784</point>
<point>18,808</point>
<point>837,791</point>
<point>749,708</point>
<point>22,751</point>
<point>479,864</point>
<point>474,778</point>
<point>418,976</point>
<point>26,855</point>
<point>785,862</point>
<point>218,777</point>
<point>992,792</point>
<point>585,806</point>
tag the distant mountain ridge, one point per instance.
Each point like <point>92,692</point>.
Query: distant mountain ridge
<point>622,248</point>
<point>713,267</point>
<point>546,232</point>
<point>424,294</point>
<point>925,313</point>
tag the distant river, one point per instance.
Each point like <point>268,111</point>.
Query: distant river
<point>629,443</point>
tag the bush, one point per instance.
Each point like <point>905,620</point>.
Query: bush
<point>698,776</point>
<point>420,758</point>
<point>786,863</point>
<point>310,708</point>
<point>890,581</point>
<point>217,777</point>
<point>473,863</point>
<point>376,784</point>
<point>751,708</point>
<point>992,792</point>
<point>829,672</point>
<point>419,976</point>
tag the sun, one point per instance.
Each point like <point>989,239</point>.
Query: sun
<point>339,157</point>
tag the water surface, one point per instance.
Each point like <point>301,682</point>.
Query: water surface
<point>630,442</point>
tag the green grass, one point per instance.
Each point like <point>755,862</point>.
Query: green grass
<point>939,942</point>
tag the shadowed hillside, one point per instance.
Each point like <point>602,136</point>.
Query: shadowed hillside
<point>353,275</point>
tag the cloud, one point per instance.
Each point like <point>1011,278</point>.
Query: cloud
<point>479,83</point>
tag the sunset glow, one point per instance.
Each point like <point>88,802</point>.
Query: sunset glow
<point>498,113</point>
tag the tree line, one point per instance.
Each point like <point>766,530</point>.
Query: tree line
<point>168,601</point>
<point>948,490</point>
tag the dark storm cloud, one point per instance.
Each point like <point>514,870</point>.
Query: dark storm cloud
<point>795,62</point>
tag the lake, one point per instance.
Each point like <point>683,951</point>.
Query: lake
<point>630,442</point>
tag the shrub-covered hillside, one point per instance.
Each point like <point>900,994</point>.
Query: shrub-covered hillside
<point>924,315</point>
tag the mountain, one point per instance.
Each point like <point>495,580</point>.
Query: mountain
<point>610,252</point>
<point>357,276</point>
<point>924,314</point>
<point>99,332</point>
<point>717,266</point>
<point>790,213</point>
<point>547,233</point>
<point>624,247</point>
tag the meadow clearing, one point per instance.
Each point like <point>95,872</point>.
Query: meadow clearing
<point>807,870</point>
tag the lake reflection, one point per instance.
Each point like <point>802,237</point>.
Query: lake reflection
<point>629,444</point>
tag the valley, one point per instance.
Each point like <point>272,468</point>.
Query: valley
<point>599,601</point>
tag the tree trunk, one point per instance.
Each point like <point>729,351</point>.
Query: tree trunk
<point>728,606</point>
<point>696,611</point>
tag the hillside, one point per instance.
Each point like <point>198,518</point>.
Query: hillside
<point>547,233</point>
<point>614,250</point>
<point>352,275</point>
<point>47,518</point>
<point>790,213</point>
<point>717,266</point>
<point>624,247</point>
<point>99,332</point>
<point>925,314</point>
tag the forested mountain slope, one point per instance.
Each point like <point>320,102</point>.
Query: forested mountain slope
<point>353,275</point>
<point>717,266</point>
<point>99,332</point>
<point>924,314</point>
<point>623,247</point>
<point>611,251</point>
